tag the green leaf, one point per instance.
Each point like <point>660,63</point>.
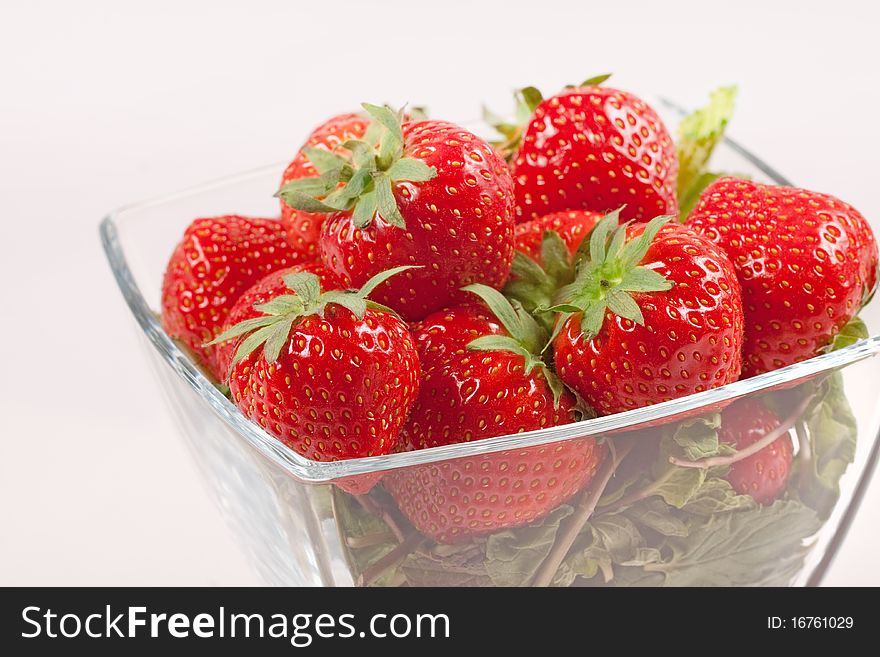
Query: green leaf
<point>716,495</point>
<point>691,196</point>
<point>698,437</point>
<point>243,327</point>
<point>281,305</point>
<point>698,134</point>
<point>854,331</point>
<point>636,249</point>
<point>342,198</point>
<point>352,301</point>
<point>618,535</point>
<point>763,546</point>
<point>411,169</point>
<point>592,320</point>
<point>306,285</point>
<point>386,118</point>
<point>304,202</point>
<point>448,565</point>
<point>657,516</point>
<point>387,203</point>
<point>595,81</point>
<point>500,307</point>
<point>556,257</point>
<point>514,556</point>
<point>324,160</point>
<point>599,236</point>
<point>362,152</point>
<point>365,210</point>
<point>251,342</point>
<point>377,280</point>
<point>642,279</point>
<point>317,186</point>
<point>832,433</point>
<point>623,305</point>
<point>531,98</point>
<point>277,339</point>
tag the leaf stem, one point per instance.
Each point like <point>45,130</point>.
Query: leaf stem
<point>783,428</point>
<point>375,508</point>
<point>566,536</point>
<point>389,560</point>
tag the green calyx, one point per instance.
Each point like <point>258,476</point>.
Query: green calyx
<point>526,101</point>
<point>282,312</point>
<point>526,337</point>
<point>535,286</point>
<point>361,179</point>
<point>609,272</point>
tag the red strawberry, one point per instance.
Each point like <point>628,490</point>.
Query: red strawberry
<point>806,263</point>
<point>762,475</point>
<point>215,262</point>
<point>261,292</point>
<point>571,225</point>
<point>654,314</point>
<point>433,195</point>
<point>304,228</point>
<point>595,148</point>
<point>336,374</point>
<point>482,377</point>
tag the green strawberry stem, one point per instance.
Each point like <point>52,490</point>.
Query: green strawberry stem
<point>783,428</point>
<point>534,285</point>
<point>361,181</point>
<point>282,312</point>
<point>586,505</point>
<point>608,273</point>
<point>527,338</point>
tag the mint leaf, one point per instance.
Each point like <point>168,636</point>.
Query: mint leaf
<point>699,437</point>
<point>698,134</point>
<point>832,434</point>
<point>445,565</point>
<point>716,495</point>
<point>365,538</point>
<point>764,546</point>
<point>656,515</point>
<point>513,556</point>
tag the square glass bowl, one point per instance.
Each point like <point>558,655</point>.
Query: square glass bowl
<point>654,523</point>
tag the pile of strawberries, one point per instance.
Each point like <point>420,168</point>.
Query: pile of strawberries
<point>424,287</point>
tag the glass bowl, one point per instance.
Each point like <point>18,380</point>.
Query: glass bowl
<point>299,528</point>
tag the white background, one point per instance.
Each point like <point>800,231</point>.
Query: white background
<point>104,103</point>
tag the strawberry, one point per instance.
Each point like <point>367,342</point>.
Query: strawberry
<point>482,377</point>
<point>336,374</point>
<point>432,195</point>
<point>653,314</point>
<point>304,228</point>
<point>597,148</point>
<point>806,262</point>
<point>762,475</point>
<point>571,225</point>
<point>215,262</point>
<point>261,292</point>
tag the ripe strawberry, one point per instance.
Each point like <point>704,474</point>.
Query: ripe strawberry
<point>336,375</point>
<point>571,225</point>
<point>762,475</point>
<point>432,195</point>
<point>482,377</point>
<point>304,228</point>
<point>215,262</point>
<point>806,263</point>
<point>654,314</point>
<point>261,292</point>
<point>595,148</point>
